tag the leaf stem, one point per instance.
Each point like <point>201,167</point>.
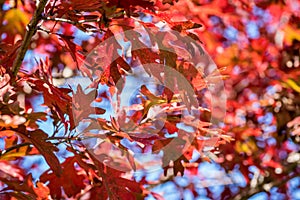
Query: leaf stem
<point>30,31</point>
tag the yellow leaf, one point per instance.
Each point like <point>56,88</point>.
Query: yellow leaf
<point>227,56</point>
<point>291,34</point>
<point>293,85</point>
<point>12,155</point>
<point>245,147</point>
<point>16,21</point>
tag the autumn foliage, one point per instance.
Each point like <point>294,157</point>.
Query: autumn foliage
<point>127,99</point>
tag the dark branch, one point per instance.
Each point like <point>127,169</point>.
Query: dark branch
<point>30,31</point>
<point>14,148</point>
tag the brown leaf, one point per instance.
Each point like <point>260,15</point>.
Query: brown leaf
<point>183,26</point>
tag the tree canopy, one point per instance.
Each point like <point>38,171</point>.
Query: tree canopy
<point>149,99</point>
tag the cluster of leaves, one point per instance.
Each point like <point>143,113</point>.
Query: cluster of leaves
<point>257,42</point>
<point>79,172</point>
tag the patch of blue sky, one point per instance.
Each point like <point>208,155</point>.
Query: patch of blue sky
<point>209,169</point>
<point>131,145</point>
<point>30,59</point>
<point>202,192</point>
<point>292,146</point>
<point>184,127</point>
<point>217,191</point>
<point>276,195</point>
<point>269,129</point>
<point>29,161</point>
<point>255,105</point>
<point>46,126</point>
<point>259,196</point>
<point>252,30</point>
<point>295,194</point>
<point>152,168</point>
<point>271,90</point>
<point>126,48</point>
<point>294,188</point>
<point>62,154</point>
<point>145,18</point>
<point>37,102</point>
<point>261,144</point>
<point>74,82</point>
<point>150,197</point>
<point>182,181</point>
<point>257,11</point>
<point>168,191</point>
<point>217,30</point>
<point>81,36</point>
<point>294,183</point>
<point>283,155</point>
<point>252,96</point>
<point>215,20</point>
<point>253,169</point>
<point>271,141</point>
<point>202,198</point>
<point>6,6</point>
<point>2,143</point>
<point>37,106</point>
<point>3,36</point>
<point>188,195</point>
<point>266,119</point>
<point>61,30</point>
<point>237,177</point>
<point>154,174</point>
<point>196,155</point>
<point>231,33</point>
<point>221,125</point>
<point>263,15</point>
<point>173,135</point>
<point>213,177</point>
<point>234,189</point>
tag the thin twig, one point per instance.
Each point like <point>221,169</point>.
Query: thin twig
<point>62,138</point>
<point>14,148</point>
<point>56,19</point>
<point>30,31</point>
<point>246,194</point>
<point>75,23</point>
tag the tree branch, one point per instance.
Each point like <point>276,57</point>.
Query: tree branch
<point>17,146</point>
<point>55,19</point>
<point>30,31</point>
<point>14,148</point>
<point>246,194</point>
